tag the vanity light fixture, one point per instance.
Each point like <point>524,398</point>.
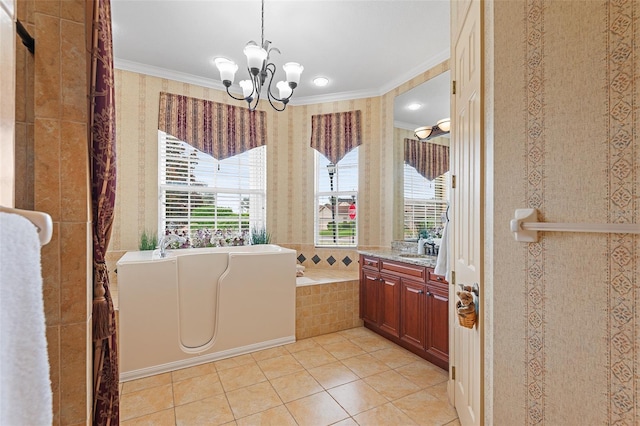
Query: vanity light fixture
<point>259,69</point>
<point>425,133</point>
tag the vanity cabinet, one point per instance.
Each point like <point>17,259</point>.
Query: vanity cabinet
<point>408,305</point>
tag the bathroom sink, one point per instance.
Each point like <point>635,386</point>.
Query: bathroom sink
<point>412,255</point>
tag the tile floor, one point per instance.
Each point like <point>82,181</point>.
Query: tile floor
<point>352,377</point>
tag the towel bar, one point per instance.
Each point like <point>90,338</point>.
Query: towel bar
<point>42,222</point>
<point>525,226</point>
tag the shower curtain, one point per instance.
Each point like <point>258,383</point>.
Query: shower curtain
<point>103,188</point>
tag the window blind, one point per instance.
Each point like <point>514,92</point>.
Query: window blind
<point>425,203</point>
<point>196,191</point>
<point>336,201</point>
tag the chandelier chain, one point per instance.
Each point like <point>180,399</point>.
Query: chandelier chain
<point>262,17</point>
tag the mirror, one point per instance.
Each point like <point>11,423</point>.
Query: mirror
<point>420,203</point>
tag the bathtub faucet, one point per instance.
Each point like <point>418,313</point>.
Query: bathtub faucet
<point>168,239</point>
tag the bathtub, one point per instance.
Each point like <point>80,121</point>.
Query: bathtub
<point>199,305</point>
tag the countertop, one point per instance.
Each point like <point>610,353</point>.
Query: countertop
<point>411,258</point>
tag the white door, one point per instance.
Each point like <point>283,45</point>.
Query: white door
<point>466,203</point>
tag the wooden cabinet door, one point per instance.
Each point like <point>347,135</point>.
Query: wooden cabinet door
<point>437,329</point>
<point>369,282</point>
<point>389,308</point>
<point>412,309</point>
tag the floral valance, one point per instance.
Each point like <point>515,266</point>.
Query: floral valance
<point>219,130</point>
<point>430,160</point>
<point>334,135</point>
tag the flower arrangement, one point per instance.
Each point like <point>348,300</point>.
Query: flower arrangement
<point>206,237</point>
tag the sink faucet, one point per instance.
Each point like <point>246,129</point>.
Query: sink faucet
<point>166,240</point>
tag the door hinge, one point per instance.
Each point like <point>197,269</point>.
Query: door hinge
<point>453,372</point>
<point>453,89</point>
<point>453,277</point>
<point>453,181</point>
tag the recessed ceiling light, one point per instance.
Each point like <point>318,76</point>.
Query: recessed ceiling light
<point>320,81</point>
<point>414,106</point>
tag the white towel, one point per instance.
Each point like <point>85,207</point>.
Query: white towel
<point>442,264</point>
<point>25,387</point>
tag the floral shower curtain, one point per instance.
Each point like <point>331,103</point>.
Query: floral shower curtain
<point>103,193</point>
<point>334,135</point>
<point>429,159</point>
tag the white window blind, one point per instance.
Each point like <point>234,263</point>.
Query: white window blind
<point>336,201</point>
<point>425,203</point>
<point>196,191</point>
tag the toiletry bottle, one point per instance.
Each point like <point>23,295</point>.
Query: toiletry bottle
<point>421,246</point>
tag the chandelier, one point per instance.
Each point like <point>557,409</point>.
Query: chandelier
<point>260,69</point>
<point>425,133</point>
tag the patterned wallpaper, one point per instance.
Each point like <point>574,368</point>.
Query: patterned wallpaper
<point>566,310</point>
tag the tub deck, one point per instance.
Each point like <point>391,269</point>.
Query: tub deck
<point>327,301</point>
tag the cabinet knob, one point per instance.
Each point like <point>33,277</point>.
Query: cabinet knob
<point>421,292</point>
<point>429,293</point>
<point>439,278</point>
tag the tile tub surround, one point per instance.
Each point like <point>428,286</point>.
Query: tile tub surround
<point>330,303</point>
<point>352,377</point>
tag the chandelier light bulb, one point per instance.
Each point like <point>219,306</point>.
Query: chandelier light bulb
<point>285,90</point>
<point>247,88</point>
<point>293,71</point>
<point>227,69</point>
<point>256,55</point>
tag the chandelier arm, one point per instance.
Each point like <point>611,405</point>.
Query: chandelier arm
<point>237,99</point>
<point>284,105</point>
<point>269,93</point>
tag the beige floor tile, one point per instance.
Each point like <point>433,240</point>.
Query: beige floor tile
<point>296,386</point>
<point>391,385</point>
<point>195,388</point>
<point>279,366</point>
<point>301,345</point>
<point>278,416</point>
<point>365,365</point>
<point>239,377</point>
<point>395,357</point>
<point>314,357</point>
<point>198,370</point>
<point>146,401</point>
<point>146,383</point>
<point>343,349</point>
<point>270,353</point>
<point>356,397</point>
<point>426,409</point>
<point>439,391</point>
<point>236,361</point>
<point>346,422</point>
<point>353,333</point>
<point>423,373</point>
<point>456,422</point>
<point>316,410</point>
<point>253,399</point>
<point>333,374</point>
<point>373,343</point>
<point>327,339</point>
<point>231,423</point>
<point>159,418</point>
<point>210,411</point>
<point>387,414</point>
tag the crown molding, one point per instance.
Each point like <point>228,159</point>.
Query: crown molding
<point>126,65</point>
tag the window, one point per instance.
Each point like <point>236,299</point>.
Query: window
<point>336,198</point>
<point>425,203</point>
<point>198,192</point>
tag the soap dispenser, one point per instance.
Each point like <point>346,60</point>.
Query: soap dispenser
<point>421,242</point>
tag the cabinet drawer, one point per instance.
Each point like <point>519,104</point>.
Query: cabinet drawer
<point>405,269</point>
<point>437,278</point>
<point>370,262</point>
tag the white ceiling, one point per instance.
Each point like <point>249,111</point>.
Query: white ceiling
<point>365,48</point>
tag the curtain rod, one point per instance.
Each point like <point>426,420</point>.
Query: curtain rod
<point>27,40</point>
